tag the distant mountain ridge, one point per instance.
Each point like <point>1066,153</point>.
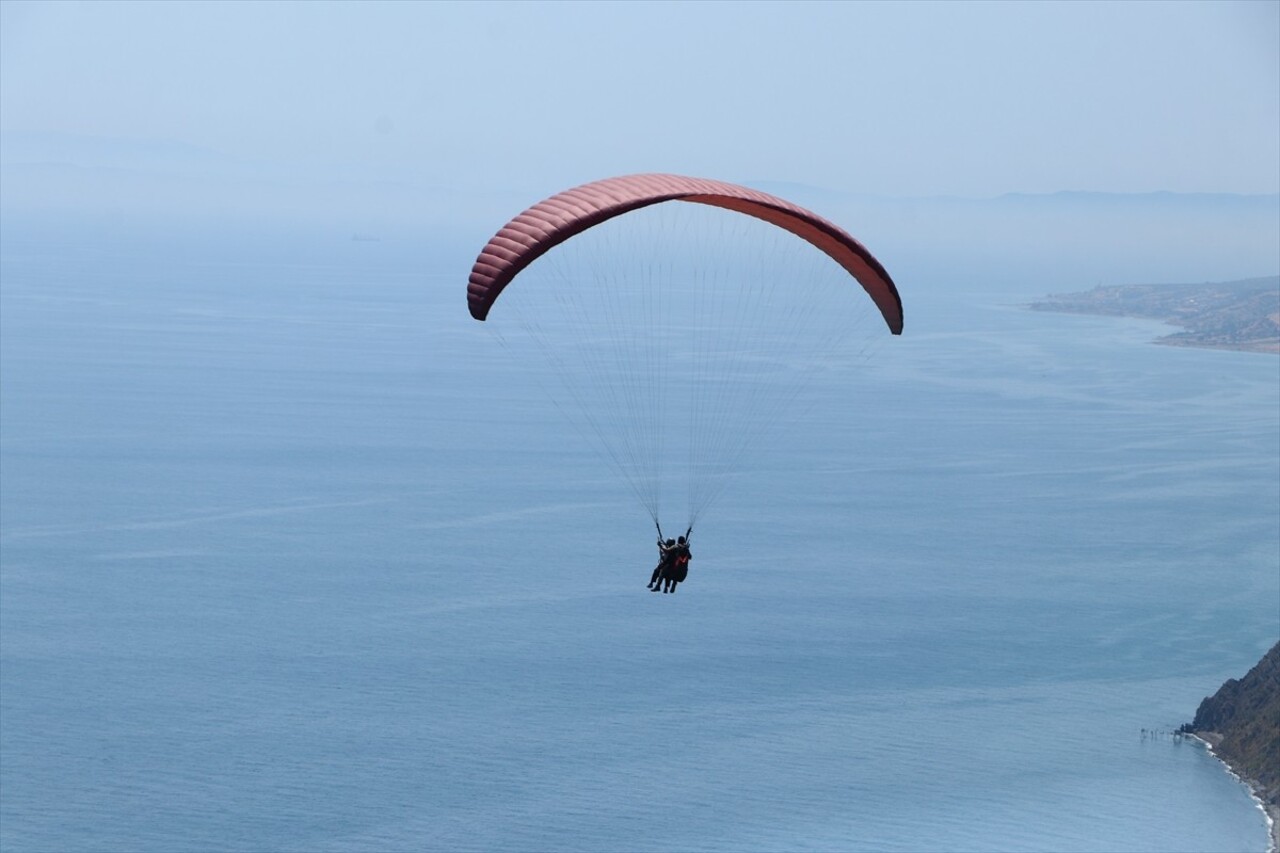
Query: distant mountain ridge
<point>1153,195</point>
<point>792,190</point>
<point>52,182</point>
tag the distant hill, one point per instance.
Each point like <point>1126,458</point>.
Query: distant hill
<point>1240,315</point>
<point>1242,724</point>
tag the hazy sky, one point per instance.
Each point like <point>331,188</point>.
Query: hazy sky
<point>907,98</point>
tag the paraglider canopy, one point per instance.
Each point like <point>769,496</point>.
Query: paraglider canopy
<point>552,221</point>
<point>680,334</point>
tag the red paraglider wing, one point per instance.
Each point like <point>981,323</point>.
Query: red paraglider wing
<point>554,220</point>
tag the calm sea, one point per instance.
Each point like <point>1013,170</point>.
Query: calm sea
<point>292,560</point>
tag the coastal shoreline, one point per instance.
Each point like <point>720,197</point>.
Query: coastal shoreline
<point>1241,316</point>
<point>1269,811</point>
<point>1264,346</point>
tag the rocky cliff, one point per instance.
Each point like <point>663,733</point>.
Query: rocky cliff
<point>1242,724</point>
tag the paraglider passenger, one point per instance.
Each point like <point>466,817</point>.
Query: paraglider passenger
<point>666,551</point>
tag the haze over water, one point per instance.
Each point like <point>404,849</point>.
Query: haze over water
<point>295,556</point>
<point>292,561</point>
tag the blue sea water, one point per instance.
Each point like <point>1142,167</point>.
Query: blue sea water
<point>293,560</point>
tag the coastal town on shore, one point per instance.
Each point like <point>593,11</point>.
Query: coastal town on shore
<point>1239,315</point>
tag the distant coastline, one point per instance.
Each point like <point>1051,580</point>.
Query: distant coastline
<point>1239,315</point>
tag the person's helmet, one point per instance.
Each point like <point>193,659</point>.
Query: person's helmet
<point>681,540</point>
<point>671,542</point>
